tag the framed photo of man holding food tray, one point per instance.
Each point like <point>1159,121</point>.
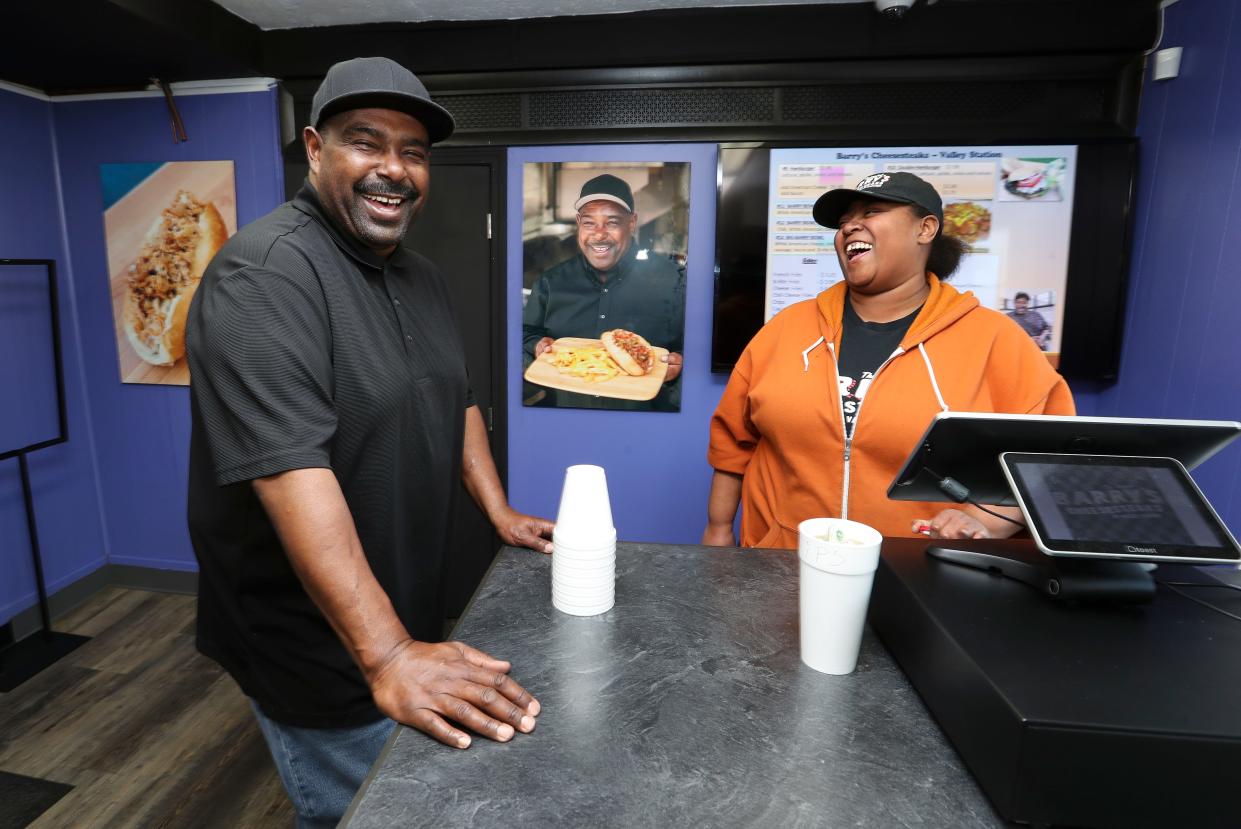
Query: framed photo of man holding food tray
<point>604,249</point>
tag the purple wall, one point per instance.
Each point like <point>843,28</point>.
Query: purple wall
<point>143,431</point>
<point>63,477</point>
<point>656,462</point>
<point>1182,339</point>
<point>116,491</point>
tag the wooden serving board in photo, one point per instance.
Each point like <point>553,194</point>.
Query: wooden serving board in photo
<point>543,372</point>
<point>126,225</point>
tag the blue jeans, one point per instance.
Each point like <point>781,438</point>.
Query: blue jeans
<point>322,768</point>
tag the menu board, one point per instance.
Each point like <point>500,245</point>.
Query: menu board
<point>1011,205</point>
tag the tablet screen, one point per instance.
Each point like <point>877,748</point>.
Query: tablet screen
<point>1125,507</point>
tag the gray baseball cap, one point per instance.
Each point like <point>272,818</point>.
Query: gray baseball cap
<point>382,83</point>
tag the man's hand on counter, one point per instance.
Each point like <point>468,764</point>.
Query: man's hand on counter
<point>517,529</point>
<point>424,685</point>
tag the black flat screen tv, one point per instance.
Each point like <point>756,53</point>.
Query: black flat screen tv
<point>1047,225</point>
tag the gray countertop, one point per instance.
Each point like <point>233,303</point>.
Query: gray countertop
<point>686,704</point>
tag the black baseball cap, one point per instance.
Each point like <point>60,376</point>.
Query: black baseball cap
<point>606,188</point>
<point>381,83</point>
<point>904,188</point>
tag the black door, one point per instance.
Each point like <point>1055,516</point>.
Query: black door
<point>459,231</point>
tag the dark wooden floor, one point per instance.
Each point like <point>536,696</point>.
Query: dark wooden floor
<point>149,732</point>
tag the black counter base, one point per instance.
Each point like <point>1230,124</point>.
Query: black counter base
<point>1079,715</point>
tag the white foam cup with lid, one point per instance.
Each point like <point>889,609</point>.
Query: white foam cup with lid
<point>838,562</point>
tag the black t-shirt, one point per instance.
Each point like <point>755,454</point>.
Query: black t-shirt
<point>864,346</point>
<point>306,351</point>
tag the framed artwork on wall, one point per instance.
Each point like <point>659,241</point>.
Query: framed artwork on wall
<point>163,222</point>
<point>604,247</point>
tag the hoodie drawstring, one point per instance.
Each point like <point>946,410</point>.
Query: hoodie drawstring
<point>930,370</point>
<point>805,355</point>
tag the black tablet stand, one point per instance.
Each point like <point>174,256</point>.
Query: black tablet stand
<point>1063,578</point>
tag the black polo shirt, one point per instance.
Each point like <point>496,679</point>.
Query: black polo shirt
<point>307,350</point>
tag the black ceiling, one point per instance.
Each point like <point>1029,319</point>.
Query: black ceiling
<point>65,46</point>
<point>96,45</point>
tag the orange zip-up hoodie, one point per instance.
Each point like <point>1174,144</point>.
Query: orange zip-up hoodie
<point>780,422</point>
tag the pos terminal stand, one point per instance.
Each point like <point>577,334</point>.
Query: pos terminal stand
<point>1100,509</point>
<point>1068,581</point>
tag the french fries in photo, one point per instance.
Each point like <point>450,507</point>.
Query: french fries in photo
<point>591,364</point>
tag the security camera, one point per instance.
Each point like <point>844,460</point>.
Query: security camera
<point>893,10</point>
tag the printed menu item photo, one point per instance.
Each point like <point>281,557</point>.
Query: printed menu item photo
<point>968,221</point>
<point>1031,179</point>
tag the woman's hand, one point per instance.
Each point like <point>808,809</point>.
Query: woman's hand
<point>952,523</point>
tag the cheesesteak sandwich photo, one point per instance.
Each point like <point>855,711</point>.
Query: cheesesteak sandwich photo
<point>162,281</point>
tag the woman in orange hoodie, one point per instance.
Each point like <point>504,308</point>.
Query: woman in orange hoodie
<point>791,438</point>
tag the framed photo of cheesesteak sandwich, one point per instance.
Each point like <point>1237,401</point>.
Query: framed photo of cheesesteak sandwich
<point>163,223</point>
<point>604,249</point>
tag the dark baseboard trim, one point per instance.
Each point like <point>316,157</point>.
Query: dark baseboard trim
<point>110,575</point>
<point>148,578</point>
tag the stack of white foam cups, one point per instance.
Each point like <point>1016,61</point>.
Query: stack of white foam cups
<point>584,545</point>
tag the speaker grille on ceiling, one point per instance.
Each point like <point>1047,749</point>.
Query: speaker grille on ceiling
<point>974,101</point>
<point>855,104</point>
<point>650,107</point>
<point>474,113</point>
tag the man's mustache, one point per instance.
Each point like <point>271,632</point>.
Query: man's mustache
<point>379,187</point>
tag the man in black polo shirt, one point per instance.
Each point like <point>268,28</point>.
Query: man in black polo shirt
<point>332,424</point>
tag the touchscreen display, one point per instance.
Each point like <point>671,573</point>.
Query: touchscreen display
<point>1115,505</point>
